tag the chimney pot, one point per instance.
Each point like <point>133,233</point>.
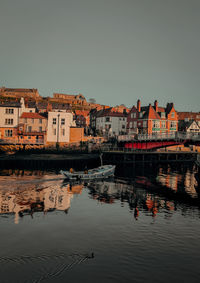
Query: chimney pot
<point>139,105</point>
<point>156,105</point>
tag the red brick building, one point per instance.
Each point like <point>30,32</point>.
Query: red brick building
<point>152,119</point>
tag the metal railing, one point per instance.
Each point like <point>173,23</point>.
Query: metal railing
<point>161,136</point>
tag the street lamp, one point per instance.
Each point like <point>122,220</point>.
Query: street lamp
<point>58,131</point>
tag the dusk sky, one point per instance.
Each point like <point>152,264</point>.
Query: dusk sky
<point>115,51</point>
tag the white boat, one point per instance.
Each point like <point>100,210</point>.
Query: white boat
<point>101,172</point>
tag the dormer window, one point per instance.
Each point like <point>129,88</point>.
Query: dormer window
<point>133,115</point>
<point>172,114</point>
<point>140,115</point>
<point>163,115</point>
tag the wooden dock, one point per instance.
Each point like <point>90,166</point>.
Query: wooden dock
<point>131,157</point>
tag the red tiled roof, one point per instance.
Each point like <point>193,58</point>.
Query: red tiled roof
<point>161,109</point>
<point>83,113</point>
<point>32,115</point>
<point>151,113</point>
<point>189,115</point>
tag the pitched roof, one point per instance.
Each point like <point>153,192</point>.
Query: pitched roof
<point>189,115</point>
<point>110,112</point>
<point>82,112</point>
<point>32,115</point>
<point>151,113</point>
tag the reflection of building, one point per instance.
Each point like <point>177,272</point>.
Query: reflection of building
<point>33,197</point>
<point>176,181</point>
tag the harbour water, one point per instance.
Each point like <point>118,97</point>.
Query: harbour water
<point>143,225</point>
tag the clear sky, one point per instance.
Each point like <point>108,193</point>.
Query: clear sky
<point>115,51</point>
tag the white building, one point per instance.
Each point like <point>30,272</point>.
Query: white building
<point>58,127</point>
<point>111,123</point>
<point>10,113</point>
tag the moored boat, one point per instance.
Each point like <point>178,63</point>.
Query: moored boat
<point>101,172</point>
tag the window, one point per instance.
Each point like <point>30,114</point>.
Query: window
<point>123,126</point>
<point>173,125</point>
<point>163,124</point>
<point>156,124</point>
<point>40,121</point>
<point>131,125</point>
<point>8,133</point>
<point>31,111</point>
<point>40,129</point>
<point>135,124</point>
<point>133,115</point>
<point>29,137</point>
<point>9,121</point>
<point>54,121</point>
<point>9,111</point>
<point>32,120</point>
<point>54,132</point>
<point>62,121</point>
<point>63,132</point>
<point>162,114</point>
<point>145,124</point>
<point>141,115</point>
<point>172,114</point>
<point>107,119</point>
<point>29,129</point>
<point>25,120</point>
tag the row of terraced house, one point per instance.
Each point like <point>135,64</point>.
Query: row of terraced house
<point>65,118</point>
<point>146,120</point>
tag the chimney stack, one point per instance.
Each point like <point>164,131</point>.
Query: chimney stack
<point>156,105</point>
<point>138,105</point>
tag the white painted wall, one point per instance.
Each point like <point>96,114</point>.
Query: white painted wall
<point>17,111</point>
<point>55,131</point>
<point>116,123</point>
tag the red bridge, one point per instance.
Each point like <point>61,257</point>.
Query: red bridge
<point>158,141</point>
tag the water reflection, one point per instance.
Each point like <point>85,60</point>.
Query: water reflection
<point>154,190</point>
<point>110,219</point>
<point>35,195</point>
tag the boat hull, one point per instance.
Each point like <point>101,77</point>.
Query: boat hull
<point>102,172</point>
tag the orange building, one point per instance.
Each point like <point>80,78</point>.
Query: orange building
<point>19,92</point>
<point>152,119</point>
<point>71,99</point>
<point>82,118</point>
<point>32,127</point>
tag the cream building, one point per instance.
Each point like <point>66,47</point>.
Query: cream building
<point>58,127</point>
<point>10,113</point>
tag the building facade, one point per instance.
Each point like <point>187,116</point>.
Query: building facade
<point>58,127</point>
<point>19,92</point>
<point>10,113</point>
<point>152,119</point>
<point>111,123</point>
<point>32,127</point>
